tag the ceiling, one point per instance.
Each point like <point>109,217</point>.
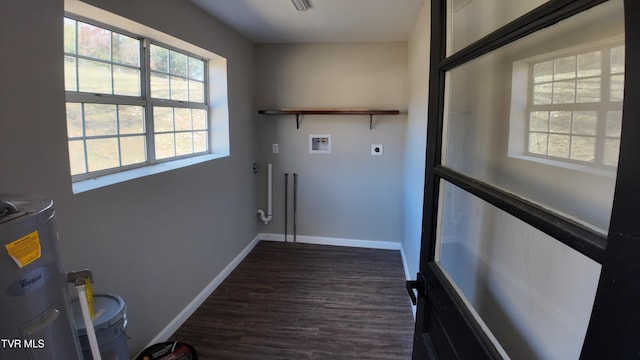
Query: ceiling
<point>277,21</point>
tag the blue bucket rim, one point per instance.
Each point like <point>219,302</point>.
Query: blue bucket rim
<point>105,321</point>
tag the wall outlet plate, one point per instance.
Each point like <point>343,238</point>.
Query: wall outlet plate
<point>275,148</point>
<point>376,149</point>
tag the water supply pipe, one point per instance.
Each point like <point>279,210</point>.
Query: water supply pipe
<point>261,213</point>
<point>286,201</point>
<point>295,205</point>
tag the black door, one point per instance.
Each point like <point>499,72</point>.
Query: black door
<point>531,238</point>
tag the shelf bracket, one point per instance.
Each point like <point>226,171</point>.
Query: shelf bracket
<point>370,121</point>
<point>298,121</point>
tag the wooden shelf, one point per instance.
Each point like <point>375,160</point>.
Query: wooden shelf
<point>298,112</point>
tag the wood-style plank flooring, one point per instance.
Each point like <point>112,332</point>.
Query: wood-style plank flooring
<point>302,301</point>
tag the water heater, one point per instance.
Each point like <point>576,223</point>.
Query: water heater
<point>35,320</point>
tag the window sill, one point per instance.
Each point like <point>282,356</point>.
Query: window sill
<point>567,165</point>
<point>111,179</point>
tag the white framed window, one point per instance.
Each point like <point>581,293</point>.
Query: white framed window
<point>574,106</point>
<point>132,101</point>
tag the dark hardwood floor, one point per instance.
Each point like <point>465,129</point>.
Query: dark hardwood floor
<point>302,301</point>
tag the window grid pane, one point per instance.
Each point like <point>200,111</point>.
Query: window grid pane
<point>107,134</point>
<point>94,77</point>
<point>176,76</point>
<point>165,146</point>
<point>77,157</point>
<point>94,42</point>
<point>106,62</point>
<point>70,74</point>
<point>179,131</point>
<point>133,150</point>
<point>574,113</point>
<point>102,154</point>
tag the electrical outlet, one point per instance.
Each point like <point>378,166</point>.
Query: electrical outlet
<point>275,148</point>
<point>376,149</point>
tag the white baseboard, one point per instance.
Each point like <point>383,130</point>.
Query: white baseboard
<point>408,277</point>
<point>371,244</point>
<point>405,265</point>
<point>203,295</point>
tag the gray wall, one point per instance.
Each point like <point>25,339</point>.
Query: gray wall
<point>157,241</point>
<point>347,194</point>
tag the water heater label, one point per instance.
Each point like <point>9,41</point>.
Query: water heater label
<point>25,250</point>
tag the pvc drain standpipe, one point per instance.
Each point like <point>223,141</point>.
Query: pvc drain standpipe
<point>269,214</point>
<point>80,279</point>
<point>88,323</point>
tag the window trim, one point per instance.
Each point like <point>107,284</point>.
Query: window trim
<point>139,172</point>
<point>216,96</point>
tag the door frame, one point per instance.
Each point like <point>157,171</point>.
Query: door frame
<point>442,315</point>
